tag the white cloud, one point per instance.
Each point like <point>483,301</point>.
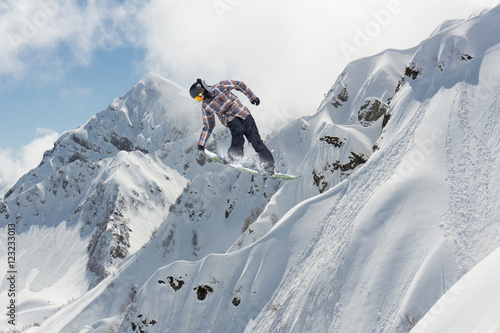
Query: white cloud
<point>266,40</point>
<point>41,38</point>
<point>15,164</point>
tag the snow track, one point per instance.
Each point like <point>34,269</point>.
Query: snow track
<point>471,159</point>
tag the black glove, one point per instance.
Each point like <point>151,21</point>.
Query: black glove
<point>200,147</point>
<point>256,101</point>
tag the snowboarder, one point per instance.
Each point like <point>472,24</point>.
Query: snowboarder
<point>234,115</point>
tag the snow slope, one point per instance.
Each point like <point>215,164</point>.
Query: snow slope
<point>397,201</point>
<point>471,305</point>
<point>422,211</point>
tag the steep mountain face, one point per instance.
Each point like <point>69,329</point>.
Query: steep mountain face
<point>397,200</point>
<point>421,212</point>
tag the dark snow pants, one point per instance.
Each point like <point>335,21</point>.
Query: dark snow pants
<point>241,128</point>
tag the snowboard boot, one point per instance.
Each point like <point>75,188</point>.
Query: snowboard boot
<point>267,169</point>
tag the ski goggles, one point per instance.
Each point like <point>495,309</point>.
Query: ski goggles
<point>198,97</point>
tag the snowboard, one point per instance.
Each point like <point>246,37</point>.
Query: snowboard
<point>217,158</point>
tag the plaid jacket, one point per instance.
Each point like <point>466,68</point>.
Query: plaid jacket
<point>225,105</point>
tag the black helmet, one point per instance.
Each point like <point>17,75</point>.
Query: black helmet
<point>195,89</point>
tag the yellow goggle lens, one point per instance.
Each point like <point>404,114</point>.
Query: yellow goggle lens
<point>198,97</point>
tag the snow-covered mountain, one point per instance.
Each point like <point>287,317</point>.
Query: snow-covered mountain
<point>125,227</point>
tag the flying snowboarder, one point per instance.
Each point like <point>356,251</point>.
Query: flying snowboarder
<point>234,115</point>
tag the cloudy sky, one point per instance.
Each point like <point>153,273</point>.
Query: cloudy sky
<point>61,61</point>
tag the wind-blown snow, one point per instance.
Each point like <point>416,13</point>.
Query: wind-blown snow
<point>397,202</point>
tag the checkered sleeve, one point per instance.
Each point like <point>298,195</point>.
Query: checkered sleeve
<point>208,125</point>
<point>240,86</point>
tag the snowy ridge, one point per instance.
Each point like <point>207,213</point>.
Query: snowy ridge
<point>397,201</point>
